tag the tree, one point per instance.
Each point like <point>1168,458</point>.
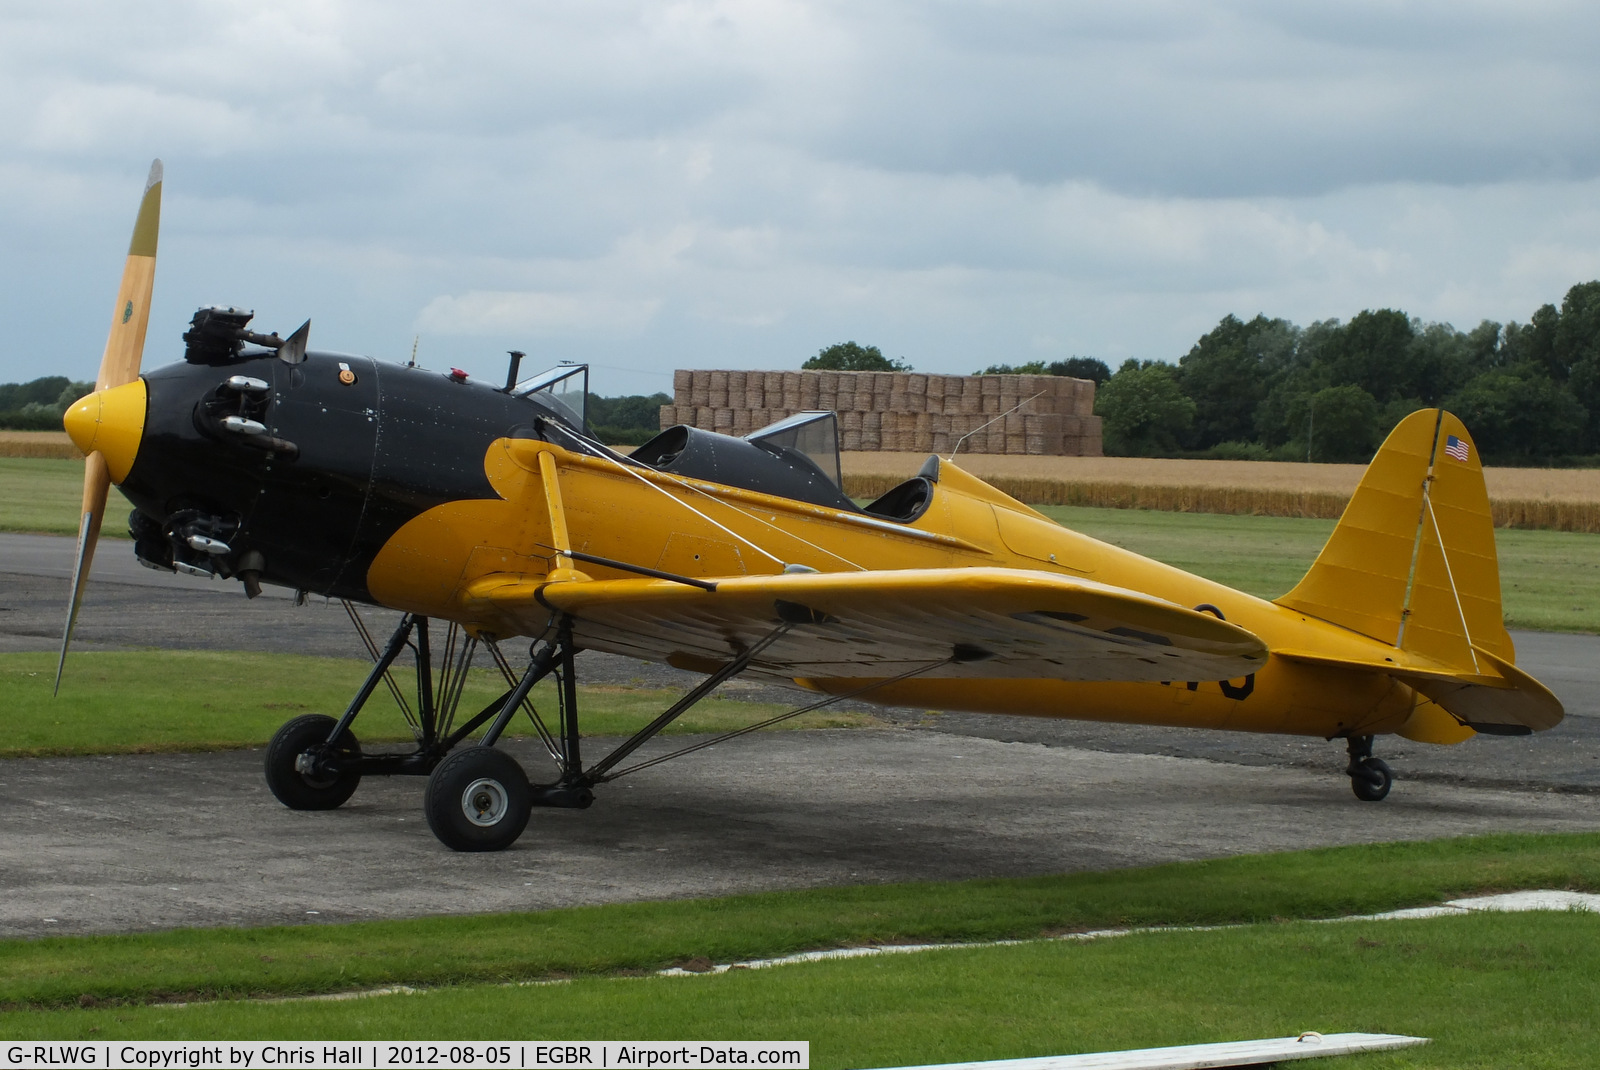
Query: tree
<point>1584,386</point>
<point>631,420</point>
<point>1033,367</point>
<point>1577,333</point>
<point>849,357</point>
<point>1371,352</point>
<point>1576,348</point>
<point>1081,368</point>
<point>1520,414</point>
<point>1442,360</point>
<point>1073,368</point>
<point>38,405</point>
<point>1143,409</point>
<point>1535,342</point>
<point>1227,375</point>
<point>1342,425</point>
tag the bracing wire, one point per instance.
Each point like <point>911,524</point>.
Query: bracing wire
<point>686,485</point>
<point>662,491</point>
<point>1449,575</point>
<point>915,670</point>
<point>539,726</point>
<point>981,426</point>
<point>388,678</point>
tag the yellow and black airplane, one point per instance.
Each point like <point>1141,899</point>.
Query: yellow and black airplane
<point>493,509</point>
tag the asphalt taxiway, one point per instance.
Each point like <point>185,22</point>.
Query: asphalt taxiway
<point>132,843</point>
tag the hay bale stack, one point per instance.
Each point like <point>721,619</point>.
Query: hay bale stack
<point>904,411</point>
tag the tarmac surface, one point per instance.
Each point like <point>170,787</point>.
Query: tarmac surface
<point>132,843</point>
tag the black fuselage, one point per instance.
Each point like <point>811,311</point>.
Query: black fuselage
<point>349,449</point>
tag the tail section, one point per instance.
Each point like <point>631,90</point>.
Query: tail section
<point>1412,564</point>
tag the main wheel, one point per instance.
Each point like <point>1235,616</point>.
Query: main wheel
<point>297,790</point>
<point>1372,780</point>
<point>478,799</point>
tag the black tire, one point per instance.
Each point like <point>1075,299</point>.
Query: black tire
<point>478,799</point>
<point>1372,781</point>
<point>294,789</point>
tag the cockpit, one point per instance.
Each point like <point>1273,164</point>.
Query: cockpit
<point>796,458</point>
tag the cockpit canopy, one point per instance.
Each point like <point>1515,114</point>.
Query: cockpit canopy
<point>786,459</point>
<point>563,389</point>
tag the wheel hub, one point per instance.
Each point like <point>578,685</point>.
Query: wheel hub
<point>484,802</point>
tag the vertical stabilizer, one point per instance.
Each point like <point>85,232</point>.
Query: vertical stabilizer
<point>1412,561</point>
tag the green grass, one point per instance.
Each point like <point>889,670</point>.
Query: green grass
<point>1493,991</point>
<point>1549,580</point>
<point>170,700</point>
<point>44,495</point>
<point>1328,882</point>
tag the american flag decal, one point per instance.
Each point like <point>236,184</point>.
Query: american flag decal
<point>1456,448</point>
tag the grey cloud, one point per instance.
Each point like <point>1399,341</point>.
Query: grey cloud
<point>752,180</point>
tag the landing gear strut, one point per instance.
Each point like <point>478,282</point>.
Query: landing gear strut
<point>1370,778</point>
<point>479,798</point>
<point>315,763</point>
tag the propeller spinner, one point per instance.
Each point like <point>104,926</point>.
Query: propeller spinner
<point>100,423</point>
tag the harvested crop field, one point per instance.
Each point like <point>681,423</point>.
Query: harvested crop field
<point>1561,499</point>
<point>37,444</point>
<point>1558,499</point>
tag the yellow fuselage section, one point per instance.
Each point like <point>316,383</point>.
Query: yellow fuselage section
<point>706,530</point>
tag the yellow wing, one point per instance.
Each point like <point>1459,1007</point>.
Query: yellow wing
<point>975,622</point>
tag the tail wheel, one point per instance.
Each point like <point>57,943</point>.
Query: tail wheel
<point>287,764</point>
<point>478,799</point>
<point>1371,779</point>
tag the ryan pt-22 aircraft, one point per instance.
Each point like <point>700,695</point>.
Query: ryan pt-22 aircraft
<point>495,510</point>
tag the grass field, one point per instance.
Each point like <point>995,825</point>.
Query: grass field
<point>187,700</point>
<point>44,495</point>
<point>1550,579</point>
<point>1492,991</point>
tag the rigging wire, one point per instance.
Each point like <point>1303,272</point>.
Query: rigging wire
<point>915,670</point>
<point>686,485</point>
<point>388,677</point>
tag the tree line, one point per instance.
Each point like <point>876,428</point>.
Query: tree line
<point>1263,389</point>
<point>40,404</point>
<point>1267,389</point>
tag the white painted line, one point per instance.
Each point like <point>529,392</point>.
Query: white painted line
<point>1509,902</point>
<point>1202,1056</point>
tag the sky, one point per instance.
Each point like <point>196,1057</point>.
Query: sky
<point>651,186</point>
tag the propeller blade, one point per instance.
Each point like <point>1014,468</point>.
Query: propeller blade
<point>120,364</point>
<point>96,484</point>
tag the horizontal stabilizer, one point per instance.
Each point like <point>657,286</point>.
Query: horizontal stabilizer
<point>1499,699</point>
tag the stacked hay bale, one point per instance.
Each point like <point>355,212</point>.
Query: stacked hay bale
<point>1041,415</point>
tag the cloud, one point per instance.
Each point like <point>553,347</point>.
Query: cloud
<point>745,182</point>
<point>497,312</point>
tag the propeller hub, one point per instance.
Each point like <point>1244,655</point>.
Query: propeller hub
<point>110,421</point>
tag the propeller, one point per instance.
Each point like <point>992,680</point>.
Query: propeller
<point>119,366</point>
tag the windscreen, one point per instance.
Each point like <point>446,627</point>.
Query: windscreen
<point>564,389</point>
<point>815,435</point>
